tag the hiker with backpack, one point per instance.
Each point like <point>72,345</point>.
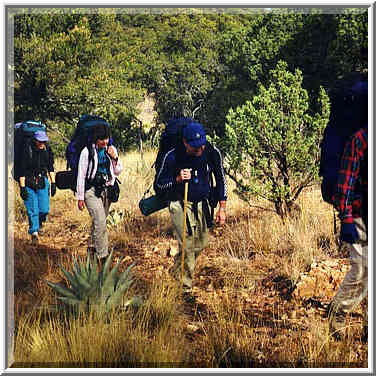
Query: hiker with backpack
<point>36,165</point>
<point>98,167</point>
<point>347,191</point>
<point>191,162</point>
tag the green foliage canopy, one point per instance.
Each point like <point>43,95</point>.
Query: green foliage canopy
<point>272,142</point>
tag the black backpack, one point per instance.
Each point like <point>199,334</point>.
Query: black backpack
<point>23,137</point>
<point>349,112</point>
<point>82,137</point>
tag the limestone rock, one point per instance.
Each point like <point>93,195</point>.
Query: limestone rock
<point>322,280</point>
<point>174,248</point>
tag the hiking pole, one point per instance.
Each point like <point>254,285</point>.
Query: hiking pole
<point>184,233</point>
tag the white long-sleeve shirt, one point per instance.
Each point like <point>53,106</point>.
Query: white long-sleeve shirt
<point>85,165</point>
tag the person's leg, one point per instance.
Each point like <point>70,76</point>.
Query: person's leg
<point>354,287</point>
<point>96,210</point>
<point>32,209</point>
<point>177,217</point>
<point>201,239</point>
<point>106,203</point>
<point>44,202</point>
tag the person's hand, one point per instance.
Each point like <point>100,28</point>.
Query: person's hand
<point>53,189</point>
<point>23,193</point>
<point>220,217</point>
<point>81,204</point>
<point>184,174</point>
<point>349,234</point>
<point>111,152</point>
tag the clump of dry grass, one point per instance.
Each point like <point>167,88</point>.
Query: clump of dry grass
<point>150,337</point>
<point>244,319</point>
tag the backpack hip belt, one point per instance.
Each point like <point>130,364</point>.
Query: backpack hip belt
<point>36,181</point>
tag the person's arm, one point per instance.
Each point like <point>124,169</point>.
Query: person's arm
<point>348,176</point>
<point>166,179</point>
<point>116,162</point>
<point>24,166</point>
<point>23,191</point>
<point>219,174</point>
<point>50,168</point>
<point>81,174</point>
<point>221,186</point>
<point>22,181</point>
<point>347,182</point>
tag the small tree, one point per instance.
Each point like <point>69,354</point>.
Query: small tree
<point>271,143</point>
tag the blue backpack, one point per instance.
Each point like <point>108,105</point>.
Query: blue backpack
<point>81,138</point>
<point>23,136</point>
<point>349,113</point>
<point>172,137</point>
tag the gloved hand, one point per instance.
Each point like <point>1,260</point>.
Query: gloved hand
<point>23,193</point>
<point>349,234</point>
<point>53,189</point>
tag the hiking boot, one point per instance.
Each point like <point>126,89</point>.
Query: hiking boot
<point>102,261</point>
<point>337,323</point>
<point>41,232</point>
<point>34,238</point>
<point>188,297</point>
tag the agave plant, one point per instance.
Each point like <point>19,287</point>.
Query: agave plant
<point>90,289</point>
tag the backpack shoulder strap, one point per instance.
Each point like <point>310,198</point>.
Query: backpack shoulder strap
<point>90,159</point>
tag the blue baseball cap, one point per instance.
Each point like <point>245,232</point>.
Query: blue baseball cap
<point>194,134</point>
<point>41,136</point>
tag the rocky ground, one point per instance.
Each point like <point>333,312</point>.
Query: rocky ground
<point>268,299</point>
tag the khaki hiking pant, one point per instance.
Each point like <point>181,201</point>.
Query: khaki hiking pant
<point>194,243</point>
<point>354,287</point>
<point>98,208</point>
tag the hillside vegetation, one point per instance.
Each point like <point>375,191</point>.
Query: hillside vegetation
<point>261,82</point>
<point>261,287</point>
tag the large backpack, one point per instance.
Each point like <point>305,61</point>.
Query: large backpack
<point>23,136</point>
<point>349,112</point>
<point>172,137</point>
<point>82,137</point>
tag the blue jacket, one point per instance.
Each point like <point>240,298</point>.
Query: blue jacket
<point>199,185</point>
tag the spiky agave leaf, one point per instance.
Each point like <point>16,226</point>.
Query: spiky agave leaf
<point>64,291</point>
<point>71,279</point>
<point>84,284</point>
<point>109,284</point>
<point>70,301</point>
<point>94,274</point>
<point>76,267</point>
<point>136,301</point>
<point>116,298</point>
<point>106,268</point>
<point>101,290</point>
<point>123,284</point>
<point>126,274</point>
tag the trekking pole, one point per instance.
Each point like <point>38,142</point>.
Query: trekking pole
<point>184,233</point>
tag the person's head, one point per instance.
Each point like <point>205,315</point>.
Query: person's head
<point>101,135</point>
<point>194,139</point>
<point>349,102</point>
<point>40,139</point>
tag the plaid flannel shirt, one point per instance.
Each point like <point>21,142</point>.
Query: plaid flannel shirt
<point>351,185</point>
